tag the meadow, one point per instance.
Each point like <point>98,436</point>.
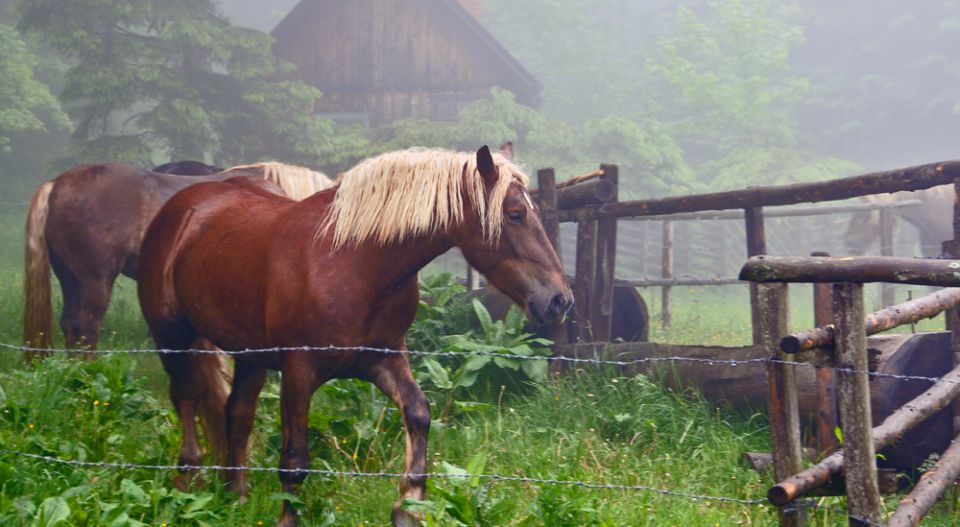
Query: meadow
<point>591,426</point>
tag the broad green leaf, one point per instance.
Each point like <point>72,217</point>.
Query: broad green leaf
<point>53,511</point>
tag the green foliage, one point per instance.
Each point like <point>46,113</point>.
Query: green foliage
<point>26,104</point>
<point>448,322</point>
<point>731,98</point>
<point>466,502</point>
<point>651,164</point>
<point>173,79</point>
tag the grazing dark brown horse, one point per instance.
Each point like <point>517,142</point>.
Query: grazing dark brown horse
<point>187,168</point>
<point>88,224</point>
<point>246,268</point>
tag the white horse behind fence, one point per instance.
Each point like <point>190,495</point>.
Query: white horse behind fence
<point>933,219</point>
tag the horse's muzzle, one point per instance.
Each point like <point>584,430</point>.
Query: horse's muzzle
<point>551,308</point>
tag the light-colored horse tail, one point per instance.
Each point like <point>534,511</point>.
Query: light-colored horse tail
<point>212,375</point>
<point>38,310</point>
<point>296,181</point>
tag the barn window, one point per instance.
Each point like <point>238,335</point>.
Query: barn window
<point>448,107</point>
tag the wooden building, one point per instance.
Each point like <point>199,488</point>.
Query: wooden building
<point>377,61</point>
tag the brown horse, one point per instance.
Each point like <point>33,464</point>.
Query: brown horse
<point>88,224</point>
<point>246,268</point>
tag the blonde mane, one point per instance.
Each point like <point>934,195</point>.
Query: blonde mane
<point>296,181</point>
<point>399,195</point>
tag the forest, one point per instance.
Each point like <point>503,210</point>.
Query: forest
<point>684,95</point>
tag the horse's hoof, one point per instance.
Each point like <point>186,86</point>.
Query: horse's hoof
<point>287,520</point>
<point>182,482</point>
<point>187,481</point>
<point>403,518</point>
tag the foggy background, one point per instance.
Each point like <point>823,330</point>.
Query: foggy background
<point>686,96</point>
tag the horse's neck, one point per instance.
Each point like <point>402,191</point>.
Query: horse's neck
<point>403,261</point>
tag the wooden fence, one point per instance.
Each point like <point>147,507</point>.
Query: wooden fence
<point>596,211</point>
<point>847,339</point>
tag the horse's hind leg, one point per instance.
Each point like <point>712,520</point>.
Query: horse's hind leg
<point>392,375</point>
<point>185,393</point>
<point>85,301</point>
<point>241,409</point>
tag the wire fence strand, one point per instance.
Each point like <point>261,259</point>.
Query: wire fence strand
<point>490,354</point>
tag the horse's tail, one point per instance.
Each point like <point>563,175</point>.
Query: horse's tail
<point>38,310</point>
<point>212,374</point>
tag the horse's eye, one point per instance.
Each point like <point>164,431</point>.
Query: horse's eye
<point>515,217</point>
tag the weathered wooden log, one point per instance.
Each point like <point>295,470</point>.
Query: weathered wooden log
<point>602,309</point>
<point>666,272</point>
<point>910,178</point>
<point>930,402</point>
<point>584,279</point>
<point>927,306</point>
<point>756,245</point>
<point>788,211</point>
<point>682,281</point>
<point>929,489</point>
<point>827,411</point>
<point>593,192</point>
<point>919,271</point>
<point>853,395</point>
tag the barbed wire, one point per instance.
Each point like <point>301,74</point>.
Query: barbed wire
<point>358,474</point>
<point>471,354</point>
<point>795,506</point>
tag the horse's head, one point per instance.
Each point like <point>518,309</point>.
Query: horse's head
<point>511,247</point>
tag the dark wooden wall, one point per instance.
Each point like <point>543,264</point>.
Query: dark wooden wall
<point>388,58</point>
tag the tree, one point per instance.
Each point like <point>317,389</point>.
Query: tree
<point>730,98</point>
<point>651,164</point>
<point>26,104</point>
<point>158,80</point>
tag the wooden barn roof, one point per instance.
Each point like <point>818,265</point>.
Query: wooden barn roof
<point>457,13</point>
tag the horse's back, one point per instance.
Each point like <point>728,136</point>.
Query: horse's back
<point>202,258</point>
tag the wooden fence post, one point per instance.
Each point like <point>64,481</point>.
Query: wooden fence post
<point>666,271</point>
<point>783,404</point>
<point>583,282</point>
<point>827,419</point>
<point>602,308</point>
<point>953,316</point>
<point>547,185</point>
<point>886,249</point>
<point>756,245</point>
<point>859,456</point>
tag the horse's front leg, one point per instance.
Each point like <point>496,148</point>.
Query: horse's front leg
<point>241,409</point>
<point>297,385</point>
<point>392,375</point>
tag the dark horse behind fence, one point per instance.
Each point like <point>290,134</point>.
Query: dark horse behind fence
<point>88,224</point>
<point>245,268</point>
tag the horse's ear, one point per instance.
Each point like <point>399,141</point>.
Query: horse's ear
<point>507,150</point>
<point>488,170</point>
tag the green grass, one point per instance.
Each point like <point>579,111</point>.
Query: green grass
<point>591,426</point>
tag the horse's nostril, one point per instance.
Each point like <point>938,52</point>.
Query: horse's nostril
<point>559,303</point>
